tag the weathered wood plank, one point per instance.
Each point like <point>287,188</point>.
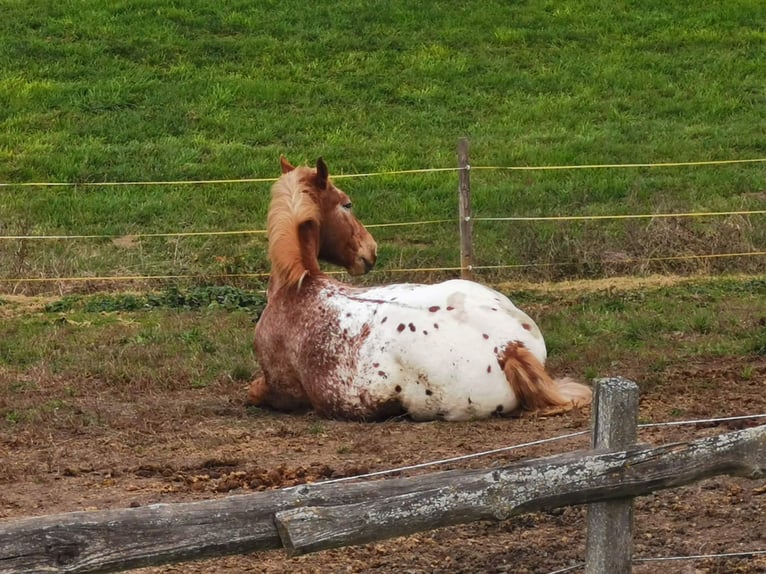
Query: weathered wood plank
<point>115,540</point>
<point>453,498</point>
<point>609,543</point>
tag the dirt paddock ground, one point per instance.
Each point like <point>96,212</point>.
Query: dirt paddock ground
<point>204,443</point>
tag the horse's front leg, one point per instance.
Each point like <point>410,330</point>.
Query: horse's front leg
<point>283,395</point>
<point>256,395</point>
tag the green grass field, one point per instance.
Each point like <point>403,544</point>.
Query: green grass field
<point>163,91</point>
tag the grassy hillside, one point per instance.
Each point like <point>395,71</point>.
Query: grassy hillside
<point>166,91</point>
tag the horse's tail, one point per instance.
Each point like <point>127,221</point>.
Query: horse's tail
<point>536,390</point>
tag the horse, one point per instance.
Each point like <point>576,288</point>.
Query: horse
<point>451,351</point>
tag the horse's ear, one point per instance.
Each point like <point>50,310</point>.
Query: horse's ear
<point>322,173</point>
<point>285,165</point>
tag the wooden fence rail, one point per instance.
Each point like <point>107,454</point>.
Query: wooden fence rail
<point>309,517</point>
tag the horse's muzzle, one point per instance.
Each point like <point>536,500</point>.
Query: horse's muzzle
<point>368,264</point>
<point>366,255</point>
<point>362,265</point>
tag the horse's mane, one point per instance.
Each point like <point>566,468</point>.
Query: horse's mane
<point>292,206</point>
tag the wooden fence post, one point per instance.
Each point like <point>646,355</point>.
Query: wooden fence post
<point>609,544</point>
<point>466,224</point>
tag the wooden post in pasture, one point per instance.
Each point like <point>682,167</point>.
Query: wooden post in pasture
<point>609,544</point>
<point>466,224</point>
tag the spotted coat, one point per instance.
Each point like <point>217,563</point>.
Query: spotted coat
<point>429,351</point>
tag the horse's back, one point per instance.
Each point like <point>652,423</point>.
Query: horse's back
<point>450,313</point>
<point>437,348</point>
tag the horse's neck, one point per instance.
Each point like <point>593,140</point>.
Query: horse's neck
<point>294,257</point>
<point>308,236</point>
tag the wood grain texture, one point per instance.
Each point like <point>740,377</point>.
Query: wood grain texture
<point>313,517</point>
<point>445,499</point>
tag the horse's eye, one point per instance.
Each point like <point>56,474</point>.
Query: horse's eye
<point>347,205</point>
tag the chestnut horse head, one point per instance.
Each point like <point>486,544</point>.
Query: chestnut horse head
<point>310,219</point>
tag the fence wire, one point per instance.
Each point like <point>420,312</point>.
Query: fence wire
<point>520,218</point>
<point>179,234</point>
<point>485,453</point>
<point>388,173</point>
<point>126,278</point>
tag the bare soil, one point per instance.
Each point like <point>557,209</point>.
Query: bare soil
<point>173,446</point>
